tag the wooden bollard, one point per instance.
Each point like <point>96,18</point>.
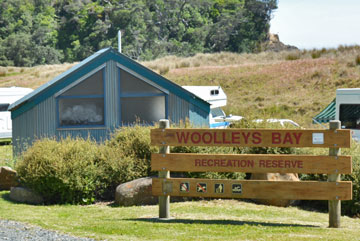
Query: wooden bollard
<point>334,205</point>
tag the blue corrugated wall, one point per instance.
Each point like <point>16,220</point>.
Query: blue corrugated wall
<point>198,117</point>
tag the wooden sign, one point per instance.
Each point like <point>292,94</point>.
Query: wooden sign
<point>185,162</point>
<point>333,190</point>
<point>251,137</point>
<point>309,190</point>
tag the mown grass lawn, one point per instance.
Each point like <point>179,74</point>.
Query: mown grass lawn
<point>200,220</point>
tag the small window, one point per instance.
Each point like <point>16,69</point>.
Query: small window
<point>215,112</point>
<point>83,104</point>
<point>140,100</point>
<point>81,111</point>
<point>144,109</point>
<point>214,92</point>
<point>130,84</point>
<point>4,107</point>
<point>350,116</point>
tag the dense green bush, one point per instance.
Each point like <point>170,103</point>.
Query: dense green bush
<point>134,142</point>
<point>357,60</point>
<point>42,31</point>
<point>350,207</point>
<point>76,170</point>
<point>292,56</point>
<point>81,171</point>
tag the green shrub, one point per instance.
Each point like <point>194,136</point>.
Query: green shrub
<point>183,64</point>
<point>293,56</point>
<point>134,142</point>
<point>357,60</point>
<point>316,54</point>
<point>76,170</point>
<point>164,70</point>
<point>62,172</point>
<point>82,171</point>
<point>350,207</point>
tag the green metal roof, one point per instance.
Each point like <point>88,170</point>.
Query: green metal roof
<point>327,114</point>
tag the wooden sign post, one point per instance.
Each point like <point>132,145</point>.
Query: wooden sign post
<point>333,190</point>
<point>164,200</point>
<point>334,205</point>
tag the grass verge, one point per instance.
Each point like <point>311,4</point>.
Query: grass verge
<point>201,220</point>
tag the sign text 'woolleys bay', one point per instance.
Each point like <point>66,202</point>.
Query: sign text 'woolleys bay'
<point>245,137</point>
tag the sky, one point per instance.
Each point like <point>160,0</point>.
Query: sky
<point>309,24</point>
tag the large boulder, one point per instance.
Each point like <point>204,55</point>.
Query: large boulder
<point>25,195</point>
<point>276,177</point>
<point>137,192</point>
<point>8,178</point>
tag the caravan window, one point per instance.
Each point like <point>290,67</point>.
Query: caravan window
<point>83,104</point>
<point>350,116</point>
<point>215,112</point>
<point>4,107</point>
<point>214,92</point>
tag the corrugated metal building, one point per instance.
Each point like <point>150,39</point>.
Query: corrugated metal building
<point>101,93</point>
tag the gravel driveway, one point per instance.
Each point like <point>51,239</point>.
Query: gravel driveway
<point>10,230</point>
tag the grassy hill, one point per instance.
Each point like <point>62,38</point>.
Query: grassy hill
<point>295,85</point>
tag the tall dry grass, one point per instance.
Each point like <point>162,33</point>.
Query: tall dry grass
<point>31,77</point>
<point>273,84</point>
<point>288,84</point>
<point>347,54</point>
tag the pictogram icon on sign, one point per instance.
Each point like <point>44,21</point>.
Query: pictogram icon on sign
<point>219,188</point>
<point>184,187</point>
<point>236,188</point>
<point>201,187</point>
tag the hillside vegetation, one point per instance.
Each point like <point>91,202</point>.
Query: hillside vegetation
<point>295,85</point>
<point>68,31</point>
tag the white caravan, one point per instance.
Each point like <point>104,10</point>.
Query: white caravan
<point>348,110</point>
<point>216,96</point>
<point>7,97</point>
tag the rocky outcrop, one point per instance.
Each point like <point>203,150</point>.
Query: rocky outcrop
<point>274,44</point>
<point>8,178</point>
<point>276,177</point>
<point>25,195</point>
<point>137,192</point>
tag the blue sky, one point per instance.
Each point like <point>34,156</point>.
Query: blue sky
<point>309,24</point>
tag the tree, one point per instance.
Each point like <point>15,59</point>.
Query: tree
<point>49,31</point>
